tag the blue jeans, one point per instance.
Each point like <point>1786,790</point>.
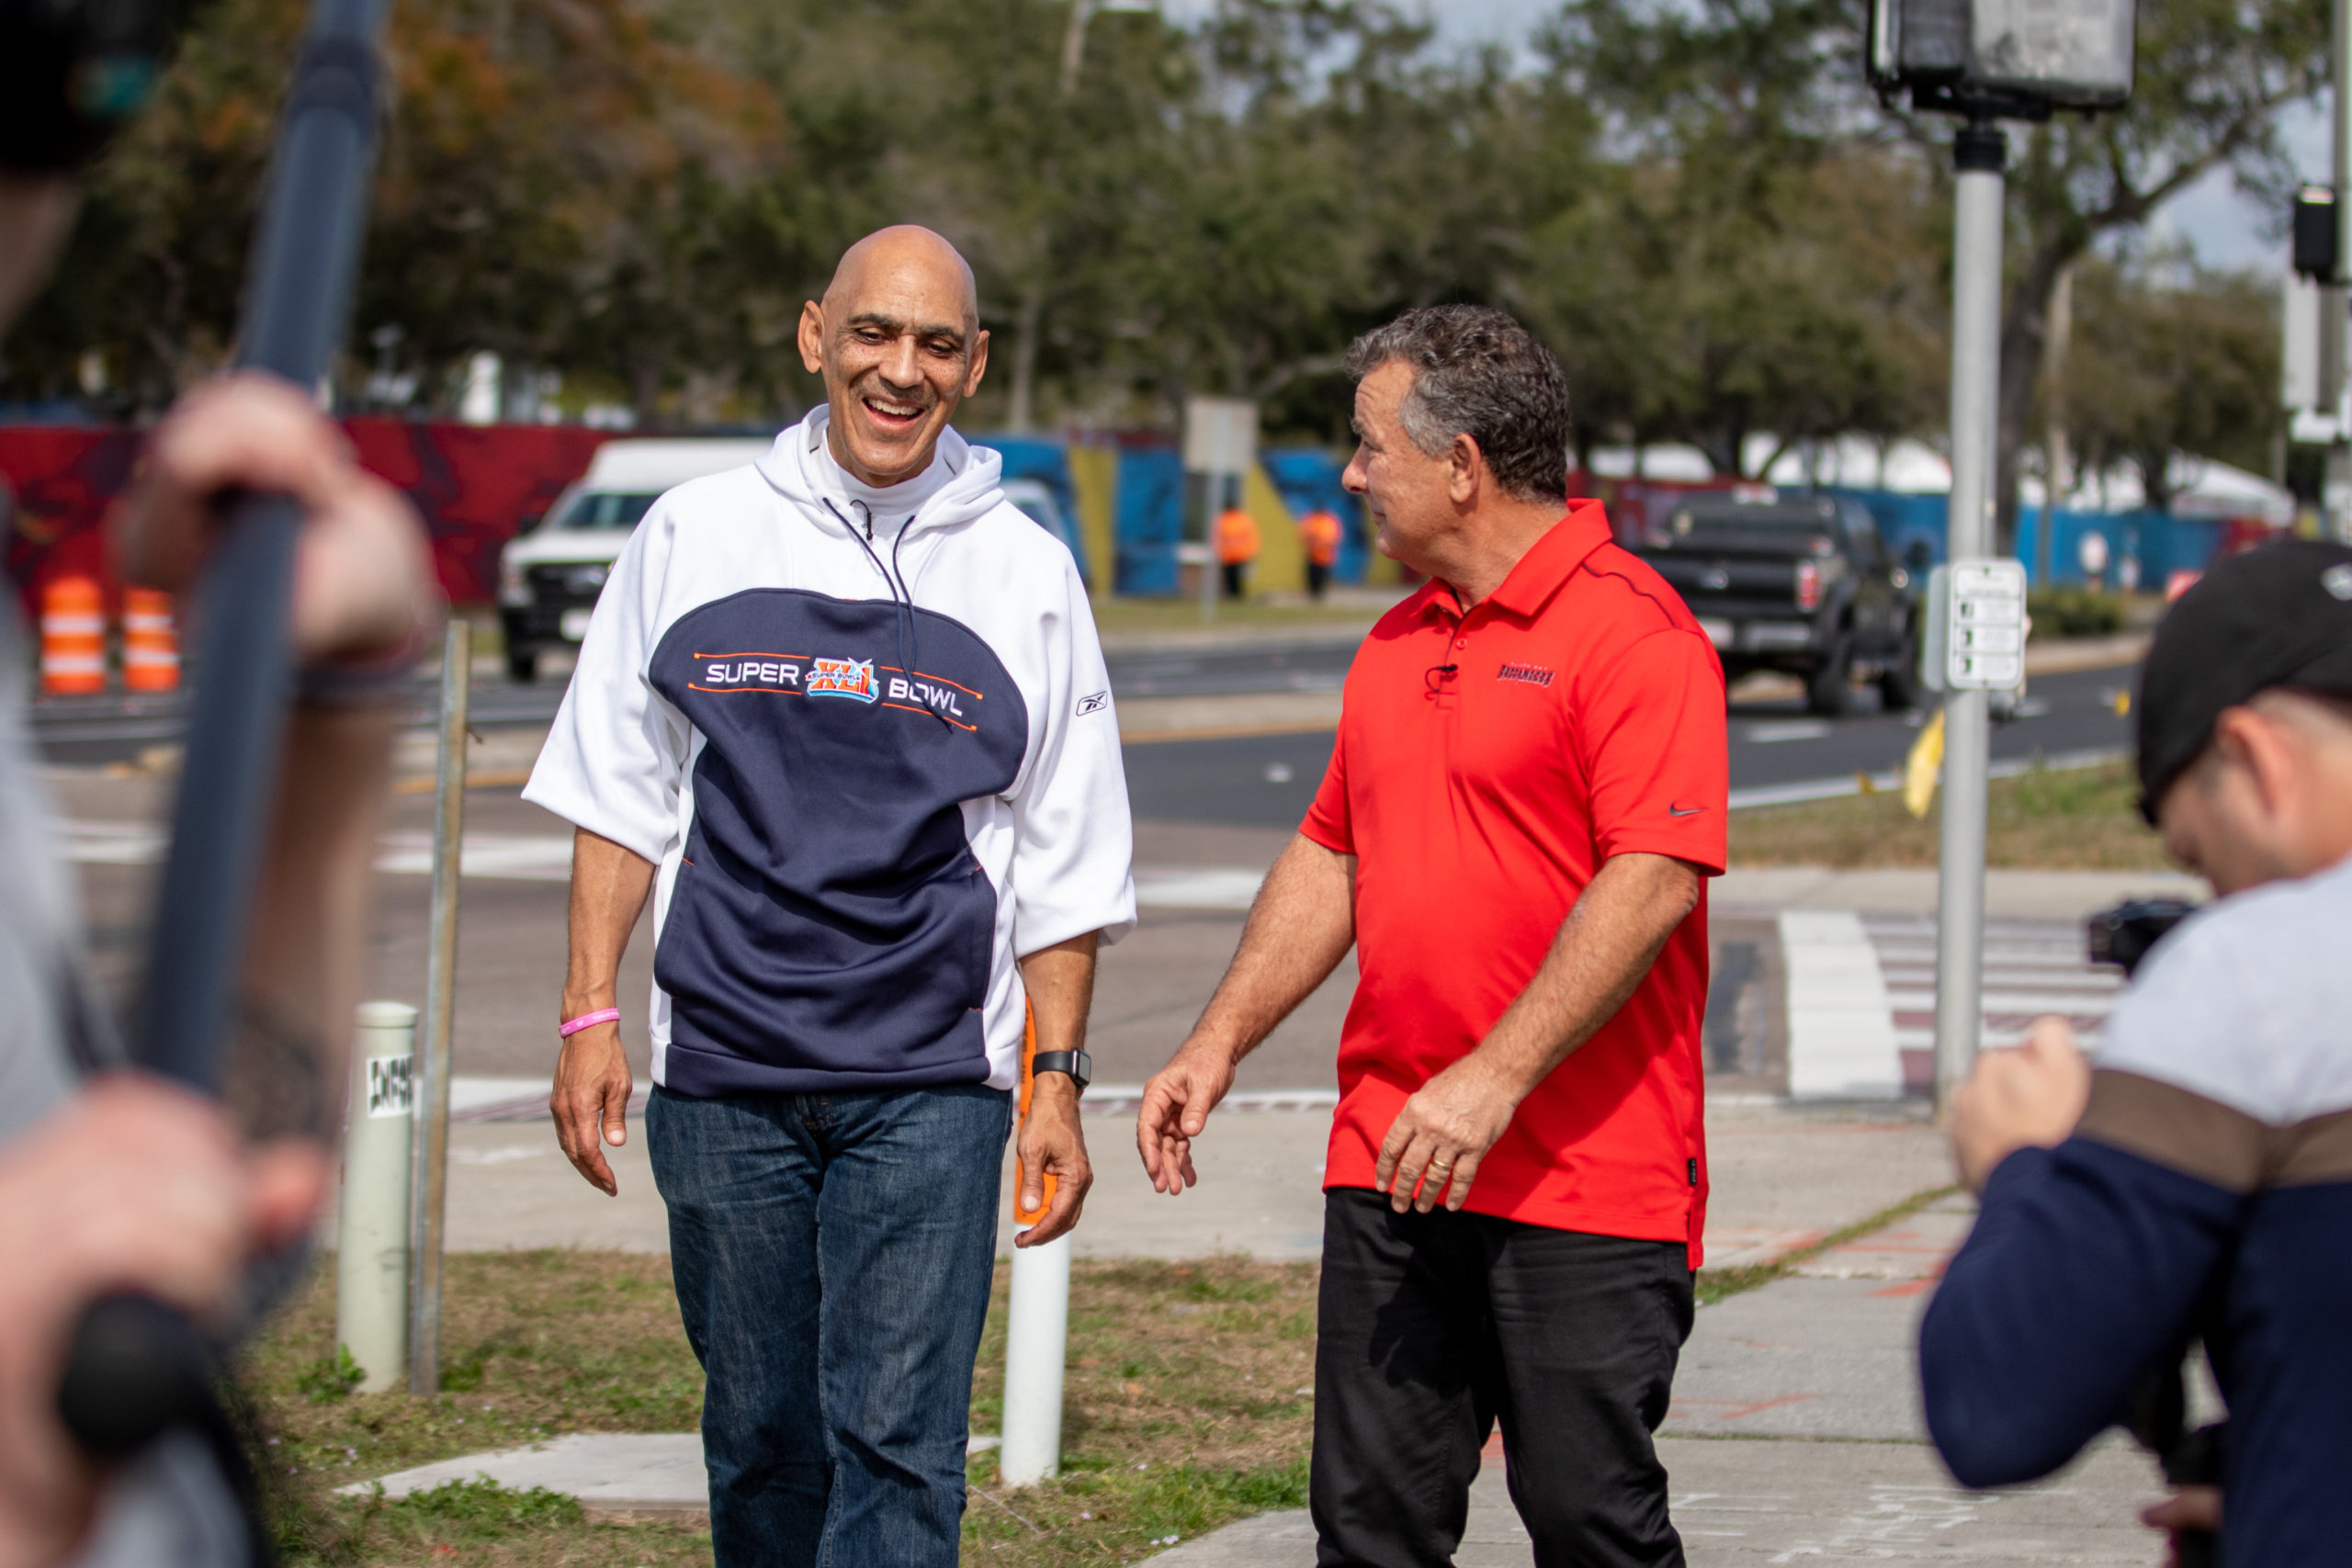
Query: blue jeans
<point>832,1255</point>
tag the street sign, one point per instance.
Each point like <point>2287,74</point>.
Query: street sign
<point>1985,634</point>
<point>1220,435</point>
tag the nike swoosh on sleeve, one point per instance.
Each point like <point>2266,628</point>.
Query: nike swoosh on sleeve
<point>1684,810</point>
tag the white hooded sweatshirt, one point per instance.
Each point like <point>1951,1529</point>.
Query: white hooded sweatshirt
<point>874,757</point>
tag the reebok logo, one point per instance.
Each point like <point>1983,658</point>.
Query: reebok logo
<point>1093,703</point>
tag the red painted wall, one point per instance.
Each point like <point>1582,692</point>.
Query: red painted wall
<point>472,485</point>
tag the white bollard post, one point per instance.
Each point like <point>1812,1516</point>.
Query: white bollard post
<point>1036,1339</point>
<point>372,1260</point>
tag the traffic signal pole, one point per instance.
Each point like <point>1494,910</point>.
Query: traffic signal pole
<point>1979,155</point>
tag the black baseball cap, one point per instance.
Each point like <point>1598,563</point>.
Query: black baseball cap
<point>2278,615</point>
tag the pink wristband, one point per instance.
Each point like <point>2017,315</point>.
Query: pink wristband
<point>587,1021</point>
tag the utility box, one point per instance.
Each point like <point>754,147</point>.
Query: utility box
<point>2009,58</point>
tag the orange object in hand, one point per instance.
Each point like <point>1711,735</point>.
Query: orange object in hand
<point>151,649</point>
<point>72,638</point>
<point>1028,1082</point>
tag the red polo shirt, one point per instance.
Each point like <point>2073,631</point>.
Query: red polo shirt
<point>1582,717</point>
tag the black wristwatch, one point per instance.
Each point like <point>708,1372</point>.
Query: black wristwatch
<point>1077,1064</point>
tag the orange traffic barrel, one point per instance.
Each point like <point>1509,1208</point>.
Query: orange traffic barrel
<point>72,638</point>
<point>151,649</point>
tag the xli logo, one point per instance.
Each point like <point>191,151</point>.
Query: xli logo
<point>841,678</point>
<point>1533,674</point>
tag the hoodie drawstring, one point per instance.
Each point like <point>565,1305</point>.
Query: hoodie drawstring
<point>902,599</point>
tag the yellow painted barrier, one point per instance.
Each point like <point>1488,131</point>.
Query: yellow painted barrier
<point>1282,560</point>
<point>1094,477</point>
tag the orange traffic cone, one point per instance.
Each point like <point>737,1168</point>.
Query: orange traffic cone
<point>151,649</point>
<point>72,638</point>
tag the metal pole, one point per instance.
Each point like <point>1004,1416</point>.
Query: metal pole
<point>440,998</point>
<point>2336,486</point>
<point>1212,567</point>
<point>1979,153</point>
<point>1037,1342</point>
<point>2054,441</point>
<point>371,1244</point>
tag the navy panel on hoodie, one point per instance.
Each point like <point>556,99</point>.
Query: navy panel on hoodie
<point>830,927</point>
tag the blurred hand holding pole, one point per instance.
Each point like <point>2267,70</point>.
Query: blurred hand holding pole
<point>135,1368</point>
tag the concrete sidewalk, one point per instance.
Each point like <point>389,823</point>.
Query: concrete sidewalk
<point>1795,1433</point>
<point>1783,1177</point>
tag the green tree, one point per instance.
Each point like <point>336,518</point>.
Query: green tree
<point>2171,360</point>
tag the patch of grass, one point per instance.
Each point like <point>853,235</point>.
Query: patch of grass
<point>330,1378</point>
<point>1713,1285</point>
<point>1122,1514</point>
<point>2075,611</point>
<point>1188,1404</point>
<point>2047,818</point>
<point>534,1345</point>
<point>481,1521</point>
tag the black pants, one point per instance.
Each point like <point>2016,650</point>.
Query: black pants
<point>1434,1327</point>
<point>1233,570</point>
<point>1318,578</point>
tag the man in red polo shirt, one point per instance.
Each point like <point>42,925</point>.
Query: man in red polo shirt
<point>1526,797</point>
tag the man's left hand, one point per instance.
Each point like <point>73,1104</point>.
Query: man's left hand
<point>1433,1147</point>
<point>363,580</point>
<point>1052,1140</point>
<point>2029,1097</point>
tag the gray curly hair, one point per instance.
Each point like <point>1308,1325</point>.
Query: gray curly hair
<point>1476,372</point>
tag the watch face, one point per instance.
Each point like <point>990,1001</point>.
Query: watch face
<point>1085,1066</point>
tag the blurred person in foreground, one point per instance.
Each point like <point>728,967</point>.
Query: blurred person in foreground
<point>843,715</point>
<point>109,1180</point>
<point>2194,1178</point>
<point>1526,798</point>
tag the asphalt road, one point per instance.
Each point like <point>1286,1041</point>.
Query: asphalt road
<point>1268,781</point>
<point>1265,781</point>
<point>85,731</point>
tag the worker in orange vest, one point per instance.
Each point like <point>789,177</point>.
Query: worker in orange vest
<point>1237,547</point>
<point>1319,536</point>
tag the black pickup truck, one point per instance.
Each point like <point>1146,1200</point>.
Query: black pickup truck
<point>1798,581</point>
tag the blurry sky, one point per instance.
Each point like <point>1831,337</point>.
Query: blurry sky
<point>2225,229</point>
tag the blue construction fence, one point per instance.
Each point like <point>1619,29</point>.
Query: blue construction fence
<point>1150,499</point>
<point>1913,528</point>
<point>1147,516</point>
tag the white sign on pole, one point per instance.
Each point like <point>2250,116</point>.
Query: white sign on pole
<point>1984,635</point>
<point>1220,435</point>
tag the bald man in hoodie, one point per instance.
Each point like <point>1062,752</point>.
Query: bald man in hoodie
<point>842,713</point>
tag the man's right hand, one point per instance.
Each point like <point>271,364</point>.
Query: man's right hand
<point>591,1101</point>
<point>1176,1106</point>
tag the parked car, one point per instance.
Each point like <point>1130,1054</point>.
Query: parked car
<point>1797,582</point>
<point>549,575</point>
<point>1035,498</point>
